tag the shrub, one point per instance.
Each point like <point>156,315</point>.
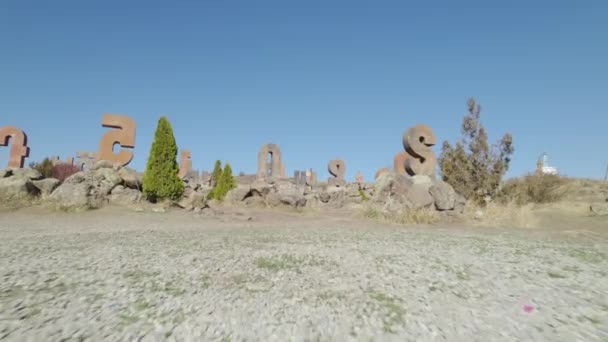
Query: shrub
<point>45,167</point>
<point>160,180</point>
<point>217,173</point>
<point>533,188</point>
<point>472,167</point>
<point>363,196</point>
<point>225,183</point>
<point>62,171</point>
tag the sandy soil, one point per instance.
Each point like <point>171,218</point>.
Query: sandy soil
<point>118,275</point>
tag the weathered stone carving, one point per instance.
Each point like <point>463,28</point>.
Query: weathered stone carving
<point>18,140</point>
<point>336,168</point>
<point>123,134</point>
<point>300,177</point>
<point>56,161</point>
<point>311,177</point>
<point>381,171</point>
<point>85,160</point>
<point>418,142</point>
<point>399,162</point>
<point>273,168</point>
<point>185,163</point>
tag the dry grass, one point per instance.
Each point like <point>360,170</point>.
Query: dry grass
<point>408,217</point>
<point>543,189</point>
<point>17,202</point>
<point>501,215</point>
<point>418,216</point>
<point>533,189</point>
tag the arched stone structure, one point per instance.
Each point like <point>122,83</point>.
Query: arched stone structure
<point>273,170</point>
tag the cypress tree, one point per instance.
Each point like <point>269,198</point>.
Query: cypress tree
<point>160,180</point>
<point>217,173</point>
<point>227,181</point>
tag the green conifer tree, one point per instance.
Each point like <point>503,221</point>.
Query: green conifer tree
<point>160,180</point>
<point>227,181</point>
<point>217,173</point>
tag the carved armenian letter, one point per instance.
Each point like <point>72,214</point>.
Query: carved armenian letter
<point>185,163</point>
<point>336,168</point>
<point>399,162</point>
<point>123,134</point>
<point>18,141</point>
<point>85,160</point>
<point>272,169</point>
<point>56,161</point>
<point>418,142</point>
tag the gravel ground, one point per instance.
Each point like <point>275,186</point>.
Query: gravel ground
<point>118,275</point>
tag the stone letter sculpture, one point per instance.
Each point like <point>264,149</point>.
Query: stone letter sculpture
<point>311,177</point>
<point>56,161</point>
<point>273,170</point>
<point>123,134</point>
<point>336,168</point>
<point>85,160</point>
<point>18,140</point>
<point>185,164</point>
<point>418,142</point>
<point>399,163</point>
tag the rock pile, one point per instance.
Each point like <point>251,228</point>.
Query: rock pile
<point>105,184</point>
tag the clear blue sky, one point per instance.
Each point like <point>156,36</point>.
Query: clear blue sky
<point>323,79</point>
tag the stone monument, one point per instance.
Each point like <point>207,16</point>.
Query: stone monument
<point>399,163</point>
<point>185,164</point>
<point>311,177</point>
<point>56,161</point>
<point>418,142</point>
<point>272,168</point>
<point>122,134</point>
<point>18,141</point>
<point>336,168</point>
<point>85,160</point>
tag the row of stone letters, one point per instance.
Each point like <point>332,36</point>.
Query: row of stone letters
<point>417,158</point>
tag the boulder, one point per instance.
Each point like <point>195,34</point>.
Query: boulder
<point>291,198</point>
<point>338,196</point>
<point>17,186</point>
<point>286,193</point>
<point>443,195</point>
<point>459,203</point>
<point>599,209</point>
<point>352,191</point>
<point>411,192</point>
<point>246,179</point>
<point>28,173</point>
<point>324,196</point>
<point>130,178</point>
<point>238,194</point>
<point>121,195</point>
<point>47,185</point>
<point>418,196</point>
<point>87,189</point>
<point>261,188</point>
<point>336,182</point>
<point>77,195</point>
<point>193,201</point>
<point>102,164</point>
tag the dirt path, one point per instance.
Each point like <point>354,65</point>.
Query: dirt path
<point>276,276</point>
